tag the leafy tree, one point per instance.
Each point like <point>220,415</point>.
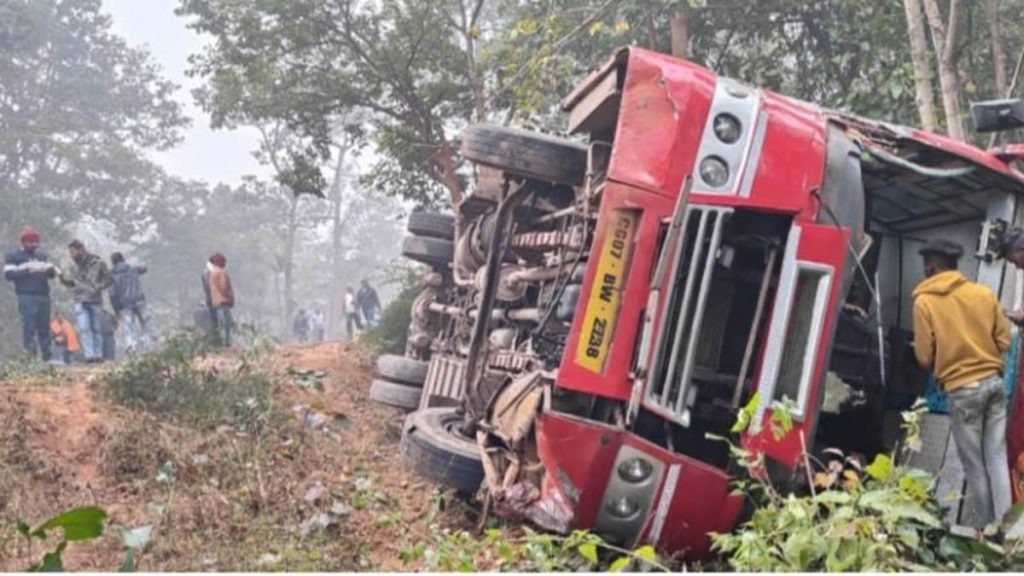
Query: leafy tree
<point>306,62</point>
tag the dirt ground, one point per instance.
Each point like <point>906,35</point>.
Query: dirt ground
<point>323,489</point>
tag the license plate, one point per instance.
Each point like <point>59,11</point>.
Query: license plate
<point>605,296</point>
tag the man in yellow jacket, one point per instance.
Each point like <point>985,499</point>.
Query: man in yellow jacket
<point>961,334</point>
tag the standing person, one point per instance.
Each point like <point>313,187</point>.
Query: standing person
<point>960,333</point>
<point>300,326</point>
<point>221,297</point>
<point>31,272</point>
<point>369,303</point>
<point>88,278</point>
<point>318,325</point>
<point>64,338</point>
<point>351,312</point>
<point>129,301</point>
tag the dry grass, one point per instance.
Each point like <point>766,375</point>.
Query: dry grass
<point>236,500</point>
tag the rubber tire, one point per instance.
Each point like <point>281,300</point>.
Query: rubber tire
<point>402,370</point>
<point>432,447</point>
<point>432,225</point>
<point>431,251</point>
<point>396,395</point>
<point>525,153</point>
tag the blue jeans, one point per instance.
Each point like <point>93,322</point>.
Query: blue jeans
<point>134,325</point>
<point>35,323</point>
<point>224,326</point>
<point>978,414</point>
<point>89,331</point>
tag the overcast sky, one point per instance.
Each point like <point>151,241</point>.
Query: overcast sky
<point>205,154</point>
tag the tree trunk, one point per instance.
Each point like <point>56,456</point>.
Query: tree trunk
<point>944,42</point>
<point>681,30</point>
<point>923,74</point>
<point>334,312</point>
<point>995,30</point>
<point>447,167</point>
<point>289,261</point>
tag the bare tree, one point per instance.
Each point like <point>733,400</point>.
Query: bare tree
<point>995,30</point>
<point>944,40</point>
<point>923,73</point>
<point>680,27</point>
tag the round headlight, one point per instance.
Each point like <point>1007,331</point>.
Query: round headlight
<point>714,172</point>
<point>727,127</point>
<point>635,470</point>
<point>622,507</point>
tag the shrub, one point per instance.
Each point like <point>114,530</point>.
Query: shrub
<point>879,518</point>
<point>168,383</point>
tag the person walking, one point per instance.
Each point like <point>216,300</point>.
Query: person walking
<point>221,297</point>
<point>300,326</point>
<point>88,279</point>
<point>316,329</point>
<point>352,322</point>
<point>31,272</point>
<point>369,303</point>
<point>65,340</point>
<point>129,301</point>
<point>961,334</point>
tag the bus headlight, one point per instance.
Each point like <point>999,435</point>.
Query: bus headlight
<point>727,127</point>
<point>622,507</point>
<point>635,470</point>
<point>714,172</point>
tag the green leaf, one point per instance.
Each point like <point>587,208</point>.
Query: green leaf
<point>881,468</point>
<point>619,564</point>
<point>588,551</point>
<point>52,561</point>
<point>833,497</point>
<point>646,553</point>
<point>78,524</point>
<point>24,529</point>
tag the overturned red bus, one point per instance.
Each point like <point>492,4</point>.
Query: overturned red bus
<point>595,310</point>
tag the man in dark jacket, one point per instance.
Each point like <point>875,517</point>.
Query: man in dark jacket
<point>369,303</point>
<point>88,279</point>
<point>129,300</point>
<point>30,272</point>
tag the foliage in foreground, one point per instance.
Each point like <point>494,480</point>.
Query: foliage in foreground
<point>169,383</point>
<point>878,518</point>
<point>531,552</point>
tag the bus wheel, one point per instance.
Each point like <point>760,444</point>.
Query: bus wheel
<point>403,370</point>
<point>435,448</point>
<point>397,395</point>
<point>525,153</point>
<point>430,251</point>
<point>432,225</point>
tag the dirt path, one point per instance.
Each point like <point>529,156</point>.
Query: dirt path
<point>238,502</point>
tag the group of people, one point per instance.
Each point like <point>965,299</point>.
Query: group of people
<point>309,325</point>
<point>48,333</point>
<point>362,308</point>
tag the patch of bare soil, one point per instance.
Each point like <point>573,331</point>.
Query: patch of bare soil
<point>320,485</point>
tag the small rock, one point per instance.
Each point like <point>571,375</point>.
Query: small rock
<point>405,483</point>
<point>315,493</point>
<point>316,522</point>
<point>200,459</point>
<point>341,509</point>
<point>268,560</point>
